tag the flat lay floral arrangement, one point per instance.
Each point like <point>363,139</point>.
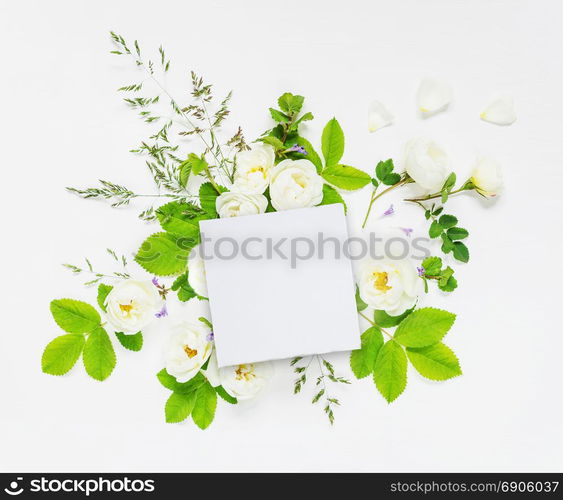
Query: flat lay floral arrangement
<point>280,170</point>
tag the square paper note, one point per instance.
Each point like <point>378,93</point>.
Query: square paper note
<point>280,285</point>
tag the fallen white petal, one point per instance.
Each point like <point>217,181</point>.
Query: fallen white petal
<point>378,116</point>
<point>433,96</point>
<point>500,112</point>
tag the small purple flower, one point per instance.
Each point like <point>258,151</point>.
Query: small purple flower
<point>163,312</point>
<point>407,230</point>
<point>155,281</point>
<point>296,149</point>
<point>420,271</point>
<point>389,211</point>
<point>210,337</point>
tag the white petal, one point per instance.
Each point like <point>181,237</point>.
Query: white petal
<point>500,112</point>
<point>378,116</point>
<point>433,96</point>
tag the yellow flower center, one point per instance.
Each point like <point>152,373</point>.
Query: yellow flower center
<point>245,372</point>
<point>258,168</point>
<point>190,352</point>
<point>126,307</point>
<point>380,282</point>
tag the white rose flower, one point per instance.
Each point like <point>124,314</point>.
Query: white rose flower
<point>233,204</point>
<point>389,285</point>
<point>196,272</point>
<point>295,184</point>
<point>487,177</point>
<point>131,305</point>
<point>189,347</point>
<point>245,381</point>
<point>426,163</point>
<point>252,174</point>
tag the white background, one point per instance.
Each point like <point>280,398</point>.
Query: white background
<point>64,124</point>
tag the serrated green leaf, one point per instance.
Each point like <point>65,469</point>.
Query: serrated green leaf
<point>99,356</point>
<point>447,244</point>
<point>305,118</point>
<point>390,371</point>
<point>435,362</point>
<point>450,182</point>
<point>384,320</point>
<point>182,286</point>
<point>424,327</point>
<point>457,233</point>
<point>61,353</point>
<point>383,169</point>
<point>331,196</point>
<point>332,143</point>
<point>74,316</point>
<point>103,292</point>
<point>181,218</point>
<point>278,116</point>
<point>291,103</point>
<point>432,266</point>
<point>362,360</point>
<point>447,221</point>
<point>461,252</point>
<point>391,179</point>
<point>225,395</point>
<point>205,405</point>
<point>435,229</point>
<point>179,406</point>
<point>171,383</point>
<point>345,177</point>
<point>185,169</point>
<point>208,197</point>
<point>164,254</point>
<point>448,286</point>
<point>131,342</point>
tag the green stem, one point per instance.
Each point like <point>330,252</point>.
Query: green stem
<point>374,197</point>
<point>435,195</point>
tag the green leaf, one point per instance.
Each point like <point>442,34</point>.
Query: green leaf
<point>450,182</point>
<point>448,286</point>
<point>432,266</point>
<point>164,254</point>
<point>185,169</point>
<point>383,169</point>
<point>291,103</point>
<point>424,327</point>
<point>391,179</point>
<point>99,356</point>
<point>311,155</point>
<point>384,320</point>
<point>360,304</point>
<point>278,116</point>
<point>273,141</point>
<point>305,118</point>
<point>331,196</point>
<point>345,177</point>
<point>75,316</point>
<point>61,353</point>
<point>435,229</point>
<point>131,342</point>
<point>390,371</point>
<point>184,289</point>
<point>103,292</point>
<point>332,142</point>
<point>179,406</point>
<point>447,244</point>
<point>205,405</point>
<point>198,163</point>
<point>225,395</point>
<point>435,362</point>
<point>181,219</point>
<point>362,360</point>
<point>171,383</point>
<point>447,221</point>
<point>457,233</point>
<point>461,252</point>
<point>207,198</point>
